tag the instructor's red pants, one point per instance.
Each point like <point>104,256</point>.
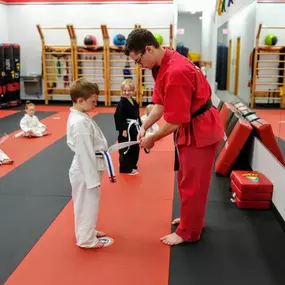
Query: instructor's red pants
<point>194,178</point>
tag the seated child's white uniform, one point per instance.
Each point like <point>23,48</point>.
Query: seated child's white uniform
<point>31,123</point>
<point>154,128</point>
<point>85,138</point>
<point>3,156</point>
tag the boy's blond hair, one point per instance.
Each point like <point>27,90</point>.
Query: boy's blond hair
<point>128,82</point>
<point>82,88</point>
<point>29,104</point>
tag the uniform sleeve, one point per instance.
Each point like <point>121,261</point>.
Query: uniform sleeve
<point>85,154</point>
<point>39,123</point>
<point>120,118</point>
<point>156,98</point>
<point>24,124</point>
<point>177,101</point>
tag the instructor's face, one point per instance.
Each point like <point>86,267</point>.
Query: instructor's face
<point>145,59</point>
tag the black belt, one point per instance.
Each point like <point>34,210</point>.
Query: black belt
<point>203,109</point>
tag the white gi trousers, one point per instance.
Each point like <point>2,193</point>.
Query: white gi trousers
<point>86,208</point>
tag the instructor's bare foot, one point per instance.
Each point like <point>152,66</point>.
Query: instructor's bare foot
<point>176,221</point>
<point>100,234</point>
<point>172,239</point>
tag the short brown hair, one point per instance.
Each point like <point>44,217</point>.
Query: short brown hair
<point>82,88</point>
<point>138,39</point>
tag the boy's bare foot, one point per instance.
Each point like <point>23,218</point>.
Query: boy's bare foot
<point>99,245</point>
<point>100,234</point>
<point>176,221</point>
<point>172,239</point>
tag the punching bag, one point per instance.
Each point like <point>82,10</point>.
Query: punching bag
<point>14,87</point>
<point>4,100</point>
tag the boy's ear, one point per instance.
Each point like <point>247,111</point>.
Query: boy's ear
<point>79,100</point>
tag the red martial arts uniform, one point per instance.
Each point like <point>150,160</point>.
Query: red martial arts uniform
<point>182,89</point>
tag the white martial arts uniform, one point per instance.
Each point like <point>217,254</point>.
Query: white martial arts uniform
<point>32,123</point>
<point>154,128</point>
<point>3,156</point>
<point>85,138</point>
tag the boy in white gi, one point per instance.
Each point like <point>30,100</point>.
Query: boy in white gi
<point>85,138</point>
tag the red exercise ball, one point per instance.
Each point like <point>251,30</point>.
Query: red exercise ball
<point>90,40</point>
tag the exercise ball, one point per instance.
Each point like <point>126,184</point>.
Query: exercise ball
<point>90,40</point>
<point>119,40</point>
<point>271,40</point>
<point>159,38</point>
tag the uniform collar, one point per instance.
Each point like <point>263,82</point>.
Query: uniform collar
<point>164,62</point>
<point>72,110</point>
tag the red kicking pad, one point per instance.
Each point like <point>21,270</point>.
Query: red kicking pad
<point>247,204</point>
<point>233,147</point>
<point>265,133</point>
<point>226,113</point>
<point>251,189</point>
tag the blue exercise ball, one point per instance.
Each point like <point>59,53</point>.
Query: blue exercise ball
<point>119,40</point>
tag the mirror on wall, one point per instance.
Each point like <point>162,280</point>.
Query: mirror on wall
<point>240,70</point>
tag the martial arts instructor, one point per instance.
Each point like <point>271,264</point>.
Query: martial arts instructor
<point>182,95</point>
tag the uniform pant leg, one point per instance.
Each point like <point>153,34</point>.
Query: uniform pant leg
<point>194,178</point>
<point>125,160</point>
<point>134,153</point>
<point>86,207</point>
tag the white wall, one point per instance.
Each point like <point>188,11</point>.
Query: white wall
<point>209,40</point>
<point>273,170</point>
<point>3,24</point>
<point>114,15</point>
<point>271,14</point>
<point>192,25</point>
<point>242,25</point>
<point>210,24</point>
<point>232,11</point>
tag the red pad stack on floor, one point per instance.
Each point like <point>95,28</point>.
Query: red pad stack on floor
<point>251,189</point>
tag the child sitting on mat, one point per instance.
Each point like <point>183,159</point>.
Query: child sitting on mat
<point>85,139</point>
<point>128,122</point>
<point>30,124</point>
<point>155,126</point>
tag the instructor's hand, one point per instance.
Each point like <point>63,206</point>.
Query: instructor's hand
<point>147,142</point>
<point>141,134</point>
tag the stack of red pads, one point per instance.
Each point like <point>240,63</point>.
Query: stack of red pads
<point>239,123</point>
<point>251,190</point>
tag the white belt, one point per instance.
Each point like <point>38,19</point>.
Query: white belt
<point>130,123</point>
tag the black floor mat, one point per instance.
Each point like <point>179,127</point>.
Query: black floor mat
<point>237,246</point>
<point>11,123</point>
<point>32,196</point>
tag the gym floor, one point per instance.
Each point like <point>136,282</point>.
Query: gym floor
<point>37,244</point>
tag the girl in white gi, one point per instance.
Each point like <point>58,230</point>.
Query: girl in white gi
<point>30,124</point>
<point>155,126</point>
<point>85,138</point>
